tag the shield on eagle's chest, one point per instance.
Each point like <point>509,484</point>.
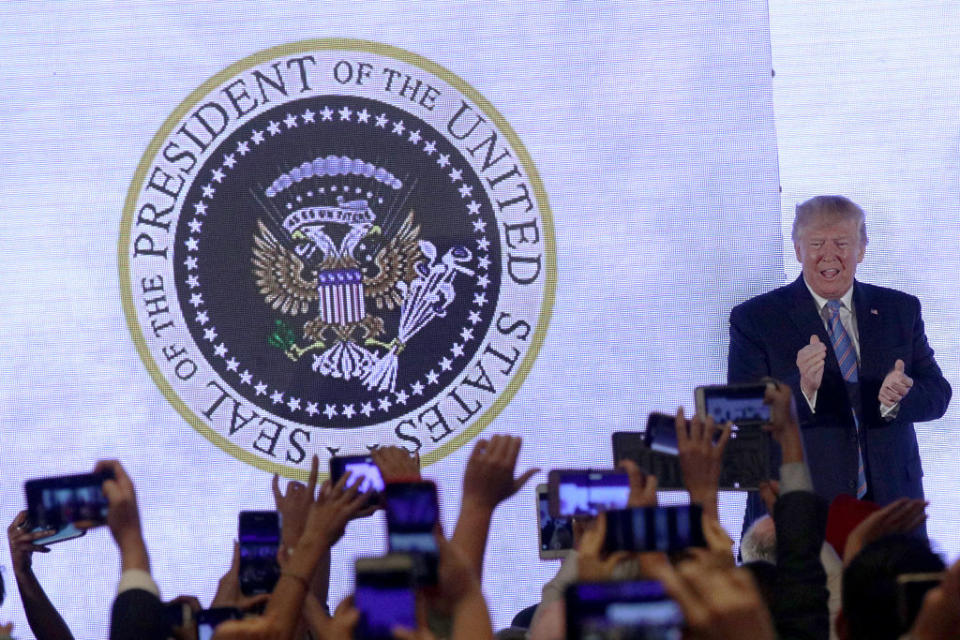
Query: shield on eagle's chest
<point>341,296</point>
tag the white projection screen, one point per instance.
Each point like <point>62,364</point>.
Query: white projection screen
<point>652,164</point>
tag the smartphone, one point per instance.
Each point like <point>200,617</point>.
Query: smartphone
<point>259,535</point>
<point>555,535</point>
<point>632,609</point>
<point>385,595</point>
<point>67,505</point>
<point>412,513</point>
<point>580,492</point>
<point>209,619</point>
<point>911,590</point>
<point>661,433</point>
<point>741,404</point>
<point>631,445</point>
<point>669,528</point>
<point>362,469</point>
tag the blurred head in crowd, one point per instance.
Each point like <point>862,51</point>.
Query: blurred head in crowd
<point>869,609</point>
<point>760,541</point>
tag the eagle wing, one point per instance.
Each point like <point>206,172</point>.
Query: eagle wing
<point>278,272</point>
<point>395,262</point>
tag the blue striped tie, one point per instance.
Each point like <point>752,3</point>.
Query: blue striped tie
<point>847,358</point>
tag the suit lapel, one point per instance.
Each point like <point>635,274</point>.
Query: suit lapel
<point>868,328</point>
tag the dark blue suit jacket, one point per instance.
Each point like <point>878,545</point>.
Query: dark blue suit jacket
<point>767,331</point>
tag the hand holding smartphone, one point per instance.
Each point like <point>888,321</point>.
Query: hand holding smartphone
<point>259,537</point>
<point>741,404</point>
<point>581,492</point>
<point>362,470</point>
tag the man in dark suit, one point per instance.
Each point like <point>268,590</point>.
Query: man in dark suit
<point>855,355</point>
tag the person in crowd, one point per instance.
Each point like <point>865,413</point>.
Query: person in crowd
<point>326,521</point>
<point>42,616</point>
<point>855,355</point>
<point>488,480</point>
<point>137,613</point>
<point>870,607</point>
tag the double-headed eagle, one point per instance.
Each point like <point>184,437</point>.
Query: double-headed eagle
<point>297,280</point>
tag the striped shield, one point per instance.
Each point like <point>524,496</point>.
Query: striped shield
<point>341,296</point>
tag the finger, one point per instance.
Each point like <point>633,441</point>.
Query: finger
<point>650,485</point>
<point>312,478</point>
<point>19,520</point>
<point>275,485</point>
<point>343,482</point>
<point>36,535</point>
<point>190,601</point>
<point>696,428</point>
<point>513,450</point>
<point>680,422</point>
<point>898,365</point>
<point>814,339</point>
<point>725,430</point>
<point>677,588</point>
<point>402,633</point>
<point>249,602</point>
<point>709,428</point>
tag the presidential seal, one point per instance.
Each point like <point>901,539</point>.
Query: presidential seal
<point>335,245</point>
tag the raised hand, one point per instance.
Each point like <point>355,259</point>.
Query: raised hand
<point>488,479</point>
<point>294,504</point>
<point>643,487</point>
<point>900,516</point>
<point>396,464</point>
<point>21,543</point>
<point>718,602</point>
<point>123,516</point>
<point>701,460</point>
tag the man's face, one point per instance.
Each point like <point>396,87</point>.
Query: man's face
<point>830,250</point>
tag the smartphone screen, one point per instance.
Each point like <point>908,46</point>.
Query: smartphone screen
<point>661,433</point>
<point>741,404</point>
<point>556,534</point>
<point>384,595</point>
<point>631,609</point>
<point>259,536</point>
<point>412,514</point>
<point>362,469</point>
<point>209,619</point>
<point>587,493</point>
<point>59,503</point>
<point>663,528</point>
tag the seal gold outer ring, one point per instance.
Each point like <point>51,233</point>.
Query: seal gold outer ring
<point>305,46</point>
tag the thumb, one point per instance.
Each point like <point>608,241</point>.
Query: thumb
<point>522,480</point>
<point>814,339</point>
<point>898,366</point>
